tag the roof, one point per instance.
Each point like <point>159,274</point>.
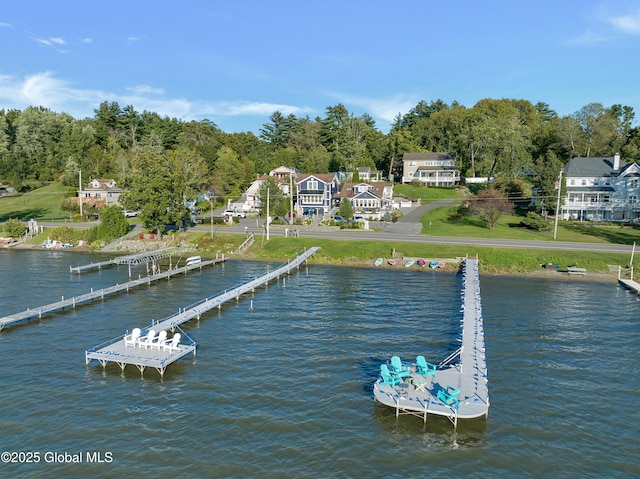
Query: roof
<point>592,166</point>
<point>429,156</point>
<point>324,177</point>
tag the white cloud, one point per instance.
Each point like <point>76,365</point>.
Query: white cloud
<point>57,40</point>
<point>87,40</point>
<point>44,89</point>
<point>588,38</point>
<point>42,41</point>
<point>379,108</point>
<point>257,109</point>
<point>6,25</point>
<point>145,89</point>
<point>627,23</point>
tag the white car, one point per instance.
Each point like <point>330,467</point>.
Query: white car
<point>130,214</point>
<point>232,213</point>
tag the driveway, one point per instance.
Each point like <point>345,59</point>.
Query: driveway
<point>409,223</point>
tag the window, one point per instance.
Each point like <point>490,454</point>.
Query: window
<point>583,182</point>
<point>633,199</point>
<point>312,185</point>
<point>412,163</point>
<point>572,183</point>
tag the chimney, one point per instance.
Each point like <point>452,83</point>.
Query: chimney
<point>616,162</point>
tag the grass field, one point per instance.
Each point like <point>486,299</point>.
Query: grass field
<point>40,204</point>
<point>425,193</point>
<point>492,260</point>
<point>445,222</point>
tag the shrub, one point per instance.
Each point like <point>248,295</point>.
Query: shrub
<point>535,222</point>
<point>14,228</point>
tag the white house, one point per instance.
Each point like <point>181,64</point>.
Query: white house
<point>101,192</point>
<point>602,189</point>
<point>430,169</point>
<point>367,198</point>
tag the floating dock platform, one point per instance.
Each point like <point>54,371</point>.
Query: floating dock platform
<point>72,302</point>
<point>465,369</point>
<point>116,351</point>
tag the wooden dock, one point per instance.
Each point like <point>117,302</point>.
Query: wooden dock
<point>116,351</point>
<point>137,258</point>
<point>72,302</point>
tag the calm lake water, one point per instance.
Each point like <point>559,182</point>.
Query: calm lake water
<point>285,390</point>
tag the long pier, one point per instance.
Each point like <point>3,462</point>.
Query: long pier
<point>136,258</point>
<point>72,302</point>
<point>117,351</point>
<point>468,375</point>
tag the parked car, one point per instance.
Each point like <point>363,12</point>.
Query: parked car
<point>232,214</point>
<point>130,214</point>
<point>338,219</point>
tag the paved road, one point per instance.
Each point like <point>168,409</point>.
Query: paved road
<point>408,229</point>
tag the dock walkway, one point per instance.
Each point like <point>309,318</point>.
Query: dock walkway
<point>630,284</point>
<point>40,311</point>
<point>136,258</point>
<point>116,351</point>
<point>468,375</point>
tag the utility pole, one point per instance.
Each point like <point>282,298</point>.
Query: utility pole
<point>268,218</point>
<point>211,210</point>
<point>291,196</point>
<point>555,228</point>
<point>80,192</point>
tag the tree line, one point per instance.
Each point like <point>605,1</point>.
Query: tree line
<point>151,155</point>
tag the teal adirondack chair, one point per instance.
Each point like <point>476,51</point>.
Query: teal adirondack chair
<point>397,368</point>
<point>450,398</point>
<point>425,368</point>
<point>386,376</point>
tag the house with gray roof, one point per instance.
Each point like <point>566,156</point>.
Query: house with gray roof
<point>430,169</point>
<point>602,189</point>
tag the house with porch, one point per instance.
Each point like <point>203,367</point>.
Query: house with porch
<point>315,193</point>
<point>101,192</point>
<point>367,198</point>
<point>430,169</point>
<point>602,189</point>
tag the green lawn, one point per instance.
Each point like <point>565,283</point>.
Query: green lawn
<point>492,260</point>
<point>445,222</point>
<point>426,194</point>
<point>40,204</point>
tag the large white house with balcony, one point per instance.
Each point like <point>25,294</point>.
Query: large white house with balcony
<point>430,169</point>
<point>602,189</point>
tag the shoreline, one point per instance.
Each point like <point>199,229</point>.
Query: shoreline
<point>450,268</point>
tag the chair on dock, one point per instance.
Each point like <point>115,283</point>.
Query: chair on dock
<point>172,344</point>
<point>159,343</point>
<point>148,339</point>
<point>386,376</point>
<point>425,368</point>
<point>397,368</point>
<point>449,396</point>
<point>132,339</point>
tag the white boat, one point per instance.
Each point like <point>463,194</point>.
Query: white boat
<point>191,260</point>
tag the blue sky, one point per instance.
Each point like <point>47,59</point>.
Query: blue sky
<point>235,62</point>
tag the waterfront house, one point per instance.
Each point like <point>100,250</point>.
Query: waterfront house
<point>101,192</point>
<point>315,193</point>
<point>602,189</point>
<point>430,169</point>
<point>367,198</point>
